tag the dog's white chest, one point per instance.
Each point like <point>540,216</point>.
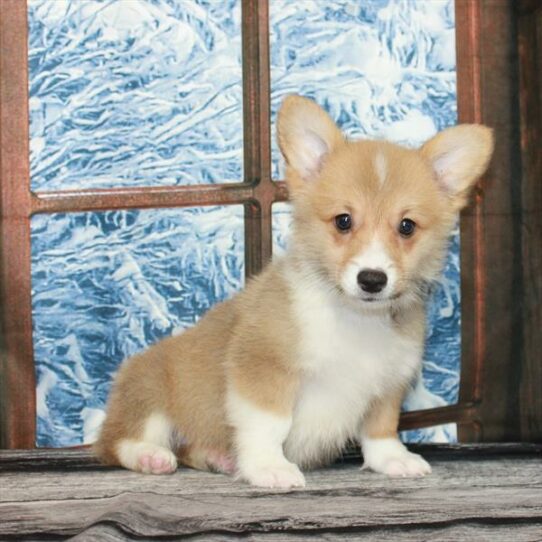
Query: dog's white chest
<point>348,359</point>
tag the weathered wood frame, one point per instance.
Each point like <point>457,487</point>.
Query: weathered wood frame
<point>257,193</point>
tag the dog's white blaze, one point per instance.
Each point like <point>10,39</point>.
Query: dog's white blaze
<point>374,256</point>
<point>349,358</point>
<point>381,167</point>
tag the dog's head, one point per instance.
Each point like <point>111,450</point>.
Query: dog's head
<point>373,218</point>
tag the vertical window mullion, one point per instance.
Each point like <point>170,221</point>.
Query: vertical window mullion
<point>256,134</point>
<point>17,378</point>
<point>469,105</point>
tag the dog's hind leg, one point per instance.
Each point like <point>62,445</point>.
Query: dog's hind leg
<point>207,459</point>
<point>152,453</point>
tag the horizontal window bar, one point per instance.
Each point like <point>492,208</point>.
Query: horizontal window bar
<point>153,197</point>
<point>417,419</point>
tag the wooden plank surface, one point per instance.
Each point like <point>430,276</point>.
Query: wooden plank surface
<point>480,493</point>
<point>452,533</point>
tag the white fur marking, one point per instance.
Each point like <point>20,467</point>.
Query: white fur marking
<point>381,168</point>
<point>259,437</point>
<point>151,454</point>
<point>373,257</point>
<point>348,358</point>
<point>157,430</point>
<point>389,456</point>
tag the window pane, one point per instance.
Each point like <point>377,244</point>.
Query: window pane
<point>281,225</point>
<point>106,285</point>
<point>381,68</point>
<point>384,69</point>
<point>134,93</point>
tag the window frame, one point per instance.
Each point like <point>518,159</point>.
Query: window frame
<point>257,193</point>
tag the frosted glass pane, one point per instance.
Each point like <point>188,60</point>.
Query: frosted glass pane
<point>134,93</point>
<point>382,69</point>
<point>106,285</point>
<point>281,226</point>
<point>140,93</point>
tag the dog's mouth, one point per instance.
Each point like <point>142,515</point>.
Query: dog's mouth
<point>377,299</point>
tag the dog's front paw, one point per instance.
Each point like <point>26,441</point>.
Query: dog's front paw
<point>390,457</point>
<point>402,465</point>
<point>283,475</point>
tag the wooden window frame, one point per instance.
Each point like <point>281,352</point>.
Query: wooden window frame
<point>478,101</point>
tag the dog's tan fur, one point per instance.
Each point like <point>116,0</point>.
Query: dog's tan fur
<point>190,393</point>
<point>250,344</point>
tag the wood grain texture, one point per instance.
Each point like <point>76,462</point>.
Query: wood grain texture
<point>530,74</point>
<point>445,533</point>
<point>493,496</point>
<point>257,134</point>
<point>469,110</point>
<point>500,233</point>
<point>461,413</point>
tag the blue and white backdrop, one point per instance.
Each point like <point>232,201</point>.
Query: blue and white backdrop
<point>147,93</point>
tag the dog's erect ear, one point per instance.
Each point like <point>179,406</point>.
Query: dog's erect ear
<point>459,156</point>
<point>306,134</point>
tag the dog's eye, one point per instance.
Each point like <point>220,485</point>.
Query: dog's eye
<point>407,227</point>
<point>343,222</point>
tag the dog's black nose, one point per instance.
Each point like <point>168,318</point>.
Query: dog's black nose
<point>372,280</point>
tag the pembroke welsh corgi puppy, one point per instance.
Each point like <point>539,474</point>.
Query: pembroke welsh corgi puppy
<point>320,348</point>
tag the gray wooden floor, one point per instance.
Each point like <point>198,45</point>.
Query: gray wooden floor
<point>474,493</point>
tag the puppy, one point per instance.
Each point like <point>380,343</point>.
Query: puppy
<point>322,345</point>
